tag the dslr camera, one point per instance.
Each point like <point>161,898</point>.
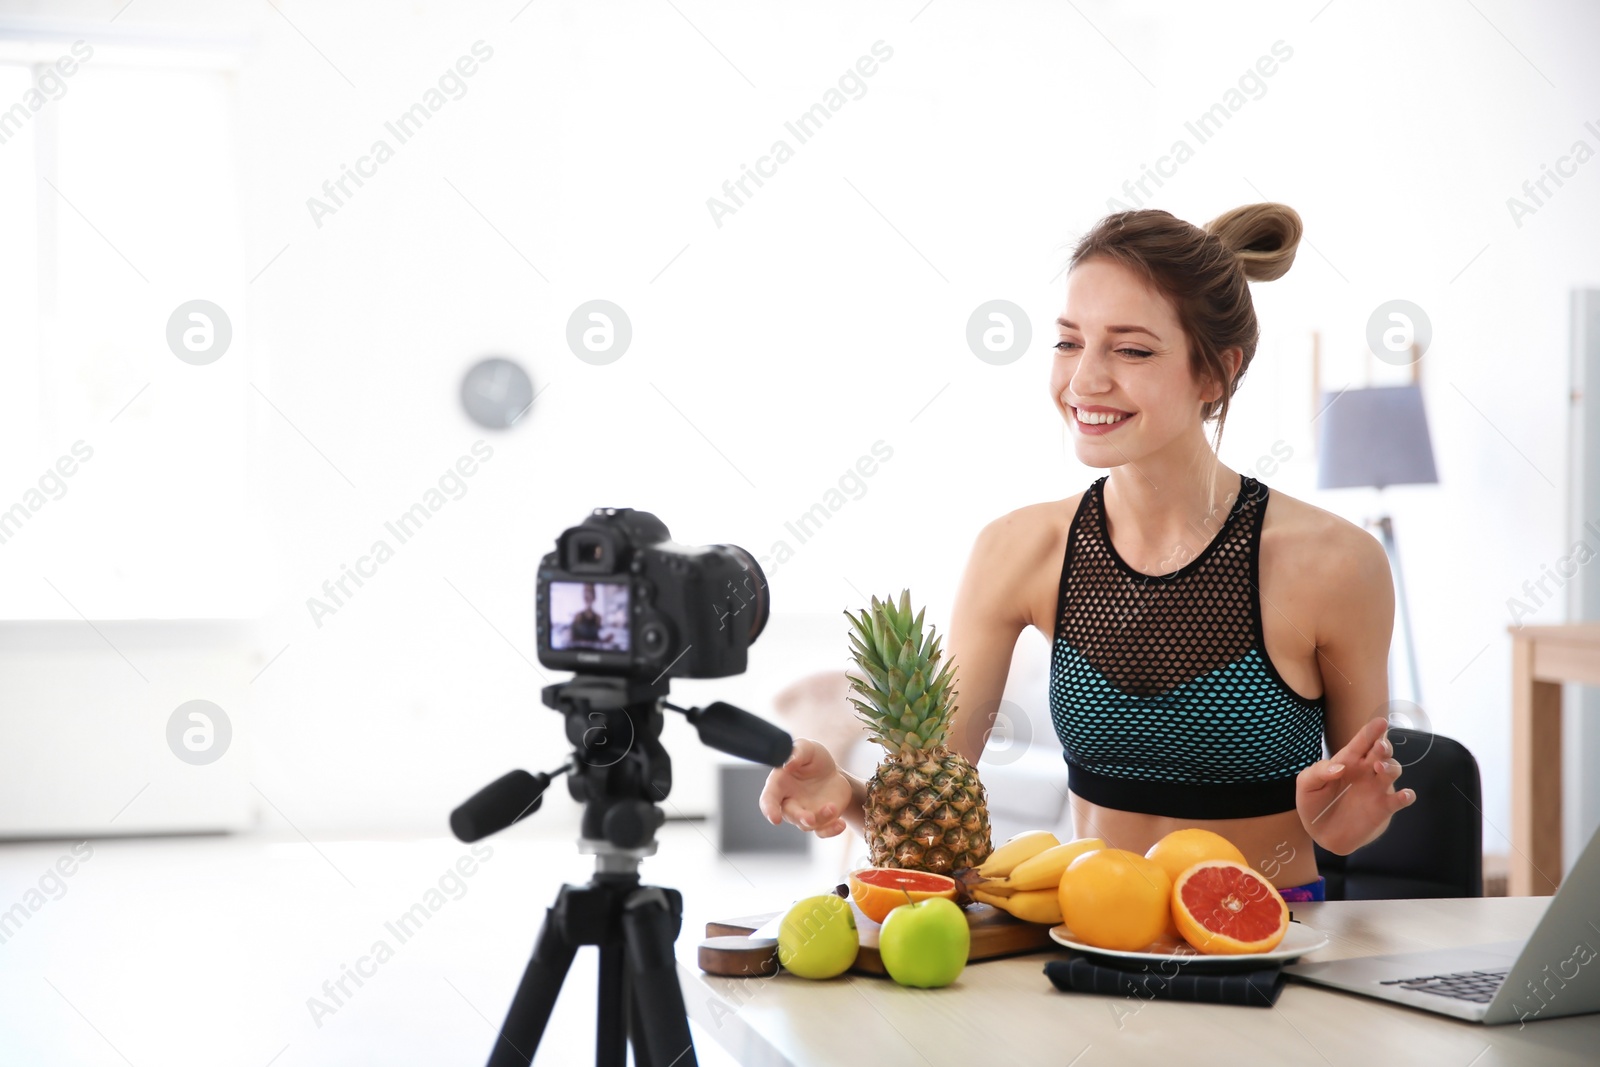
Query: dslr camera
<point>619,597</point>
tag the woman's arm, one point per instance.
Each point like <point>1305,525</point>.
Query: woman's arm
<point>991,608</point>
<point>855,813</point>
<point>1346,808</point>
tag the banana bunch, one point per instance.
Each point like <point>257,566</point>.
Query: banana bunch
<point>1023,876</point>
<point>1043,869</point>
<point>1005,859</point>
<point>1029,905</point>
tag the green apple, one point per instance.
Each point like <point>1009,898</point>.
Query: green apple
<point>925,944</point>
<point>817,938</point>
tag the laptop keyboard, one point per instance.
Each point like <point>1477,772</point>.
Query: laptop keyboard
<point>1476,986</point>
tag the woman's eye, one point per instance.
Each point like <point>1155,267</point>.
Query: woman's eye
<point>1063,346</point>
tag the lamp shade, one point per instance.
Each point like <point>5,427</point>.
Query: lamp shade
<point>1374,437</point>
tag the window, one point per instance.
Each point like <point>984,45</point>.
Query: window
<point>119,201</point>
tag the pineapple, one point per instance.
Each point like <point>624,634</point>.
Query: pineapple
<point>926,809</point>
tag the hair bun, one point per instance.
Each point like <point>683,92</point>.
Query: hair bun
<point>1262,237</point>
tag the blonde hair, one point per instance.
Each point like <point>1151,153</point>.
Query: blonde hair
<point>1204,271</point>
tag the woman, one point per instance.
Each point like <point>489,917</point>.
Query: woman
<point>1206,635</point>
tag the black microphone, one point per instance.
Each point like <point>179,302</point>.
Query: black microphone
<point>739,733</point>
<point>497,805</point>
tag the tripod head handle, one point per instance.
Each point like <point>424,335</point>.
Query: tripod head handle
<point>739,733</point>
<point>497,805</point>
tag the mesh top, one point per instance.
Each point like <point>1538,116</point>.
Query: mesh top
<point>1161,690</point>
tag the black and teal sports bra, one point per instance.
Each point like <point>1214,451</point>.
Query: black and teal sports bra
<point>1161,690</point>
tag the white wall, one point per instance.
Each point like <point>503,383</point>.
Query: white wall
<point>829,312</point>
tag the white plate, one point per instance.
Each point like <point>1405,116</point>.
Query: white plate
<point>1297,941</point>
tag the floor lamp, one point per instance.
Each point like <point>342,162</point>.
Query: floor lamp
<point>1373,438</point>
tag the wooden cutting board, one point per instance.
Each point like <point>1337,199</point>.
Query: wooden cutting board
<point>994,934</point>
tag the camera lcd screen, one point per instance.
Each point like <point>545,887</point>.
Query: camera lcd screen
<point>589,615</point>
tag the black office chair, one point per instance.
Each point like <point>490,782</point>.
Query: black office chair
<point>1434,846</point>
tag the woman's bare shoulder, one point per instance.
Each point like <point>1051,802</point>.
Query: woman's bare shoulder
<point>1026,545</point>
<point>1314,542</point>
<point>1332,575</point>
<point>1038,526</point>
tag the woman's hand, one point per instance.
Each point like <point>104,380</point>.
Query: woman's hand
<point>809,791</point>
<point>1346,801</point>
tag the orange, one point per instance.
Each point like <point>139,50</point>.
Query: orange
<point>1182,849</point>
<point>1225,908</point>
<point>1113,898</point>
<point>879,890</point>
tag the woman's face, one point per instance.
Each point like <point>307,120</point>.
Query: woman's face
<point>1121,352</point>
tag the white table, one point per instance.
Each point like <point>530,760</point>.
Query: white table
<point>1006,1012</point>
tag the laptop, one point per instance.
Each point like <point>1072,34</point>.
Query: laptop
<point>1555,972</point>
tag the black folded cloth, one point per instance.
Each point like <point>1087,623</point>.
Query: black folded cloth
<point>1256,988</point>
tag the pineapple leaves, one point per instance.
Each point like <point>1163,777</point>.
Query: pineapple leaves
<point>873,706</point>
<point>896,621</point>
<point>908,657</point>
<point>880,637</point>
<point>897,690</point>
<point>916,686</point>
<point>875,673</point>
<point>906,692</point>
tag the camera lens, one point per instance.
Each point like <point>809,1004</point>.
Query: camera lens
<point>756,585</point>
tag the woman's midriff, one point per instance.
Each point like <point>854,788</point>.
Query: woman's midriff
<point>1276,845</point>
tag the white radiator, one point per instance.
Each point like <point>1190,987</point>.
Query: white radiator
<point>85,711</point>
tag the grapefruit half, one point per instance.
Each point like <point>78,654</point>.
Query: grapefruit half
<point>1182,849</point>
<point>879,890</point>
<point>1225,908</point>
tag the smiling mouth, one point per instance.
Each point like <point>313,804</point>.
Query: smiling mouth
<point>1100,418</point>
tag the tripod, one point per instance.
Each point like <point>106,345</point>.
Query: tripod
<point>633,925</point>
<point>639,998</point>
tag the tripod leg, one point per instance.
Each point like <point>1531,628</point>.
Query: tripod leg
<point>650,922</point>
<point>641,1047</point>
<point>611,1021</point>
<point>536,995</point>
